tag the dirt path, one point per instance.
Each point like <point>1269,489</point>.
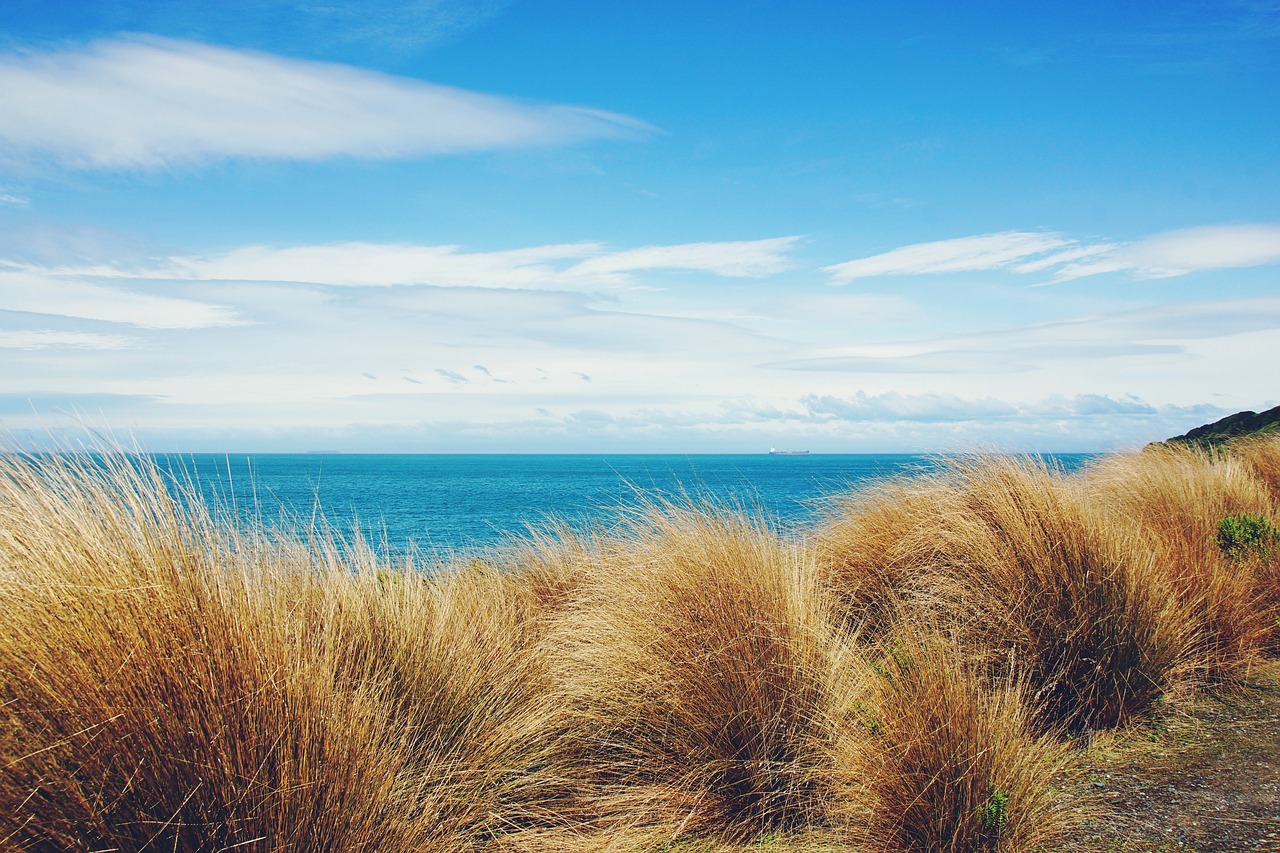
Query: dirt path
<point>1205,777</point>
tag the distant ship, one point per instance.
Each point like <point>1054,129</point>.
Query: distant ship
<point>773,451</point>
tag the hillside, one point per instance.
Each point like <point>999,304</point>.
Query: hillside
<point>1232,426</point>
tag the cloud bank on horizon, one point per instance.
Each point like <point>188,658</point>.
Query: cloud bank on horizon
<point>536,233</point>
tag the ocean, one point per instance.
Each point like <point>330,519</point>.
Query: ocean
<point>459,503</point>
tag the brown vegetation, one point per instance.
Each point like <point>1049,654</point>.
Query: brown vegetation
<point>904,679</point>
<point>1028,576</point>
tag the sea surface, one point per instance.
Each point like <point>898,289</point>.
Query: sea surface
<point>459,503</point>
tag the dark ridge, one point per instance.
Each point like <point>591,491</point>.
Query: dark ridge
<point>1232,426</point>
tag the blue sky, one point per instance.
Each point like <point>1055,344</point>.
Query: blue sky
<point>528,226</point>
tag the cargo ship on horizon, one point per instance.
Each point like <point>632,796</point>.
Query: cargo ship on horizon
<point>773,451</point>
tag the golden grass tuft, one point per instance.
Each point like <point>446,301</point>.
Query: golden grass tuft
<point>171,684</point>
<point>156,692</point>
<point>863,549</point>
<point>950,762</point>
<point>1020,568</point>
<point>1173,497</point>
<point>703,677</point>
<point>1262,453</point>
<point>462,664</point>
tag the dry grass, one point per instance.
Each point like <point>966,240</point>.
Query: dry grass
<point>1173,497</point>
<point>863,549</point>
<point>702,677</point>
<point>1262,454</point>
<point>687,681</point>
<point>1016,564</point>
<point>157,693</point>
<point>950,763</point>
<point>170,685</point>
<point>462,665</point>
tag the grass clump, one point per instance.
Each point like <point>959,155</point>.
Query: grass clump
<point>169,683</point>
<point>1017,565</point>
<point>156,691</point>
<point>1261,453</point>
<point>951,763</point>
<point>864,550</point>
<point>703,677</point>
<point>464,669</point>
<point>1174,498</point>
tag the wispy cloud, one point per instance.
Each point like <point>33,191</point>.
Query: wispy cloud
<point>737,259</point>
<point>935,407</point>
<point>1153,331</point>
<point>46,338</point>
<point>898,407</point>
<point>151,102</point>
<point>70,297</point>
<point>371,264</point>
<point>839,307</point>
<point>1165,255</point>
<point>73,404</point>
<point>452,375</point>
<point>14,200</point>
<point>962,254</point>
<point>570,266</point>
<point>1188,250</point>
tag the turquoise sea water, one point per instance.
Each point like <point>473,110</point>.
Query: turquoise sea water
<point>474,501</point>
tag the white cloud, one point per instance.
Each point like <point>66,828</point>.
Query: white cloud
<point>373,264</point>
<point>150,102</point>
<point>43,339</point>
<point>1089,405</point>
<point>1166,255</point>
<point>893,406</point>
<point>1161,331</point>
<point>737,259</point>
<point>840,308</point>
<point>1064,257</point>
<point>68,297</point>
<point>14,200</point>
<point>570,266</point>
<point>1188,250</point>
<point>936,407</point>
<point>962,254</point>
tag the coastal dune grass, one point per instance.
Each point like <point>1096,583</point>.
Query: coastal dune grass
<point>1012,560</point>
<point>156,694</point>
<point>460,663</point>
<point>1175,497</point>
<point>1262,454</point>
<point>703,678</point>
<point>905,677</point>
<point>170,684</point>
<point>951,760</point>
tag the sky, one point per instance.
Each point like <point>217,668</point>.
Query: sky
<point>534,226</point>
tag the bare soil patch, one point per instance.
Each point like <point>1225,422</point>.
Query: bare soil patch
<point>1203,776</point>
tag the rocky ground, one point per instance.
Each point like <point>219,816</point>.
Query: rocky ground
<point>1203,777</point>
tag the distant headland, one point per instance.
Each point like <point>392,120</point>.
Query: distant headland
<point>1232,426</point>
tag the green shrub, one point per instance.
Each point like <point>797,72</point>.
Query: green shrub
<point>1244,533</point>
